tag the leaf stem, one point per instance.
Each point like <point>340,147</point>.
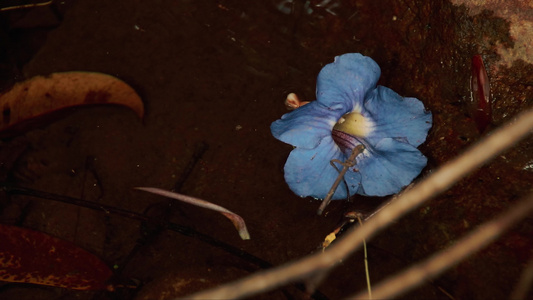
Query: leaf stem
<point>237,221</point>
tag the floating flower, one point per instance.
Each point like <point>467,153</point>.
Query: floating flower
<point>351,110</point>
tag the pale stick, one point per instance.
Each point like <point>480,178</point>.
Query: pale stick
<point>434,184</point>
<point>447,258</point>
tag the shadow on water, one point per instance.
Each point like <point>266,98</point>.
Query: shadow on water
<point>216,73</point>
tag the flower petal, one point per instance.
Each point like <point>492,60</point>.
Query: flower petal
<point>309,172</point>
<point>344,83</point>
<point>305,126</point>
<point>388,167</point>
<point>396,117</point>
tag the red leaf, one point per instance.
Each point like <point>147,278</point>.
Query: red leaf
<point>34,257</point>
<point>480,106</point>
<point>41,95</point>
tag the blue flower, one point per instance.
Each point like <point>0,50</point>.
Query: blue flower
<point>351,110</point>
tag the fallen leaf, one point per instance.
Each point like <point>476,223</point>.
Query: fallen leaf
<point>328,240</point>
<point>480,103</point>
<point>34,257</point>
<point>42,95</point>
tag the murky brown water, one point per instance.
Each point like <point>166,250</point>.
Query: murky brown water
<point>217,73</point>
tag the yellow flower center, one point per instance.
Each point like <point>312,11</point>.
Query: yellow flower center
<point>354,124</point>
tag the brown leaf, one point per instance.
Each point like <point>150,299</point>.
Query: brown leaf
<point>34,257</point>
<point>41,95</point>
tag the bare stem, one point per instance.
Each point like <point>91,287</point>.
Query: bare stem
<point>237,221</point>
<point>367,272</point>
<point>350,162</point>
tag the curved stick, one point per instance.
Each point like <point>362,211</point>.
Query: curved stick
<point>237,221</point>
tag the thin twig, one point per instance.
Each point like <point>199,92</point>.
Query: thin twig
<point>447,258</point>
<point>107,209</point>
<point>367,272</point>
<point>199,151</point>
<point>152,231</point>
<point>350,162</point>
<point>15,190</point>
<point>30,5</point>
<point>433,185</point>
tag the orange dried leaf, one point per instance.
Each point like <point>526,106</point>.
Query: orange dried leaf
<point>34,257</point>
<point>42,95</point>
